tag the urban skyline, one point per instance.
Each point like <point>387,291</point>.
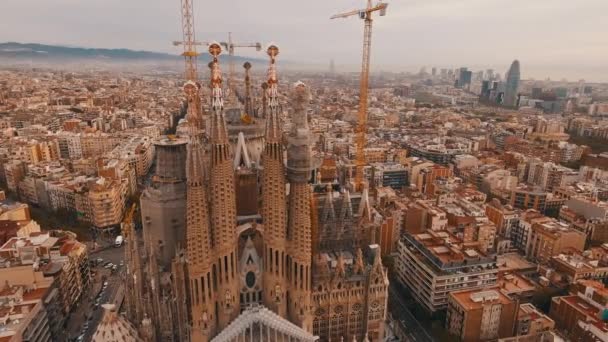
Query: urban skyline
<point>207,198</point>
<point>479,34</point>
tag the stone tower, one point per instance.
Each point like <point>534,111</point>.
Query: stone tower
<point>223,205</point>
<point>274,200</point>
<point>299,228</point>
<point>211,224</point>
<point>198,241</point>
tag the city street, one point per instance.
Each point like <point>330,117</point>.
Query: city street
<point>412,329</point>
<point>89,311</point>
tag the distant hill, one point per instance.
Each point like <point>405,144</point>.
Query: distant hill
<point>12,50</point>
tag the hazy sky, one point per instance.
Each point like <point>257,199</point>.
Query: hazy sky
<point>556,38</point>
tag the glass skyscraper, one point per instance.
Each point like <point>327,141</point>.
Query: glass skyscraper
<point>512,85</point>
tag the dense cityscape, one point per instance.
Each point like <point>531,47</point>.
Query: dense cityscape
<point>221,200</point>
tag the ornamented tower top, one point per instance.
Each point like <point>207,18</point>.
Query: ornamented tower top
<point>299,150</point>
<point>273,129</point>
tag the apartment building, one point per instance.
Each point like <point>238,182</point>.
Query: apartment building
<point>587,215</point>
<point>106,200</point>
<point>529,198</point>
<point>531,322</point>
<point>138,151</point>
<point>422,215</point>
<point>69,145</point>
<point>582,315</point>
<point>22,315</point>
<point>551,238</point>
<point>39,259</point>
<point>480,314</point>
<point>97,144</point>
<point>569,268</point>
<point>14,172</point>
<point>521,233</point>
<point>435,263</point>
<point>505,217</point>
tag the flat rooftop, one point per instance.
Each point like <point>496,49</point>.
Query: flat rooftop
<point>475,299</point>
<point>512,262</point>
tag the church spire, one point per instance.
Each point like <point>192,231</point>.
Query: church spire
<point>219,133</point>
<point>222,204</point>
<point>365,210</point>
<point>299,171</point>
<point>248,97</point>
<point>273,126</point>
<point>346,210</point>
<point>328,206</point>
<point>274,198</point>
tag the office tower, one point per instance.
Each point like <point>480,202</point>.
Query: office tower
<point>485,89</point>
<point>490,74</point>
<point>434,71</point>
<point>512,85</point>
<point>332,67</point>
<point>464,77</point>
<point>581,87</point>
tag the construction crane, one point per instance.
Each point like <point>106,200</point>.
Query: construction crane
<point>366,15</point>
<point>230,46</point>
<point>191,87</point>
<point>189,40</point>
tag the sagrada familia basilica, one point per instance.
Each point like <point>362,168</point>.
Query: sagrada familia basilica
<point>240,238</point>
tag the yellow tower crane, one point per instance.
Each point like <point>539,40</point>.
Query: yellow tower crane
<point>192,87</point>
<point>366,15</point>
<point>189,40</point>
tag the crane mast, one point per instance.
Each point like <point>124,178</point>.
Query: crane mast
<point>360,140</point>
<point>189,40</point>
<point>191,87</point>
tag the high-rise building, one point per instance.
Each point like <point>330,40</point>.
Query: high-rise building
<point>490,75</point>
<point>581,87</point>
<point>464,77</point>
<point>512,85</point>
